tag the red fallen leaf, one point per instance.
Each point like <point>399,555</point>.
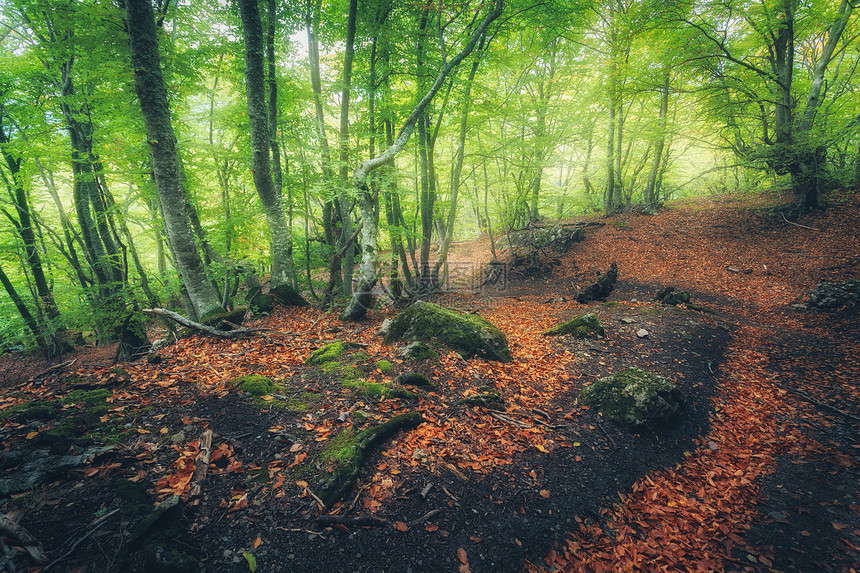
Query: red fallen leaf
<point>257,542</point>
<point>461,555</point>
<point>400,526</point>
<point>544,493</point>
<point>342,527</point>
<point>476,538</point>
<point>431,527</point>
<point>839,526</point>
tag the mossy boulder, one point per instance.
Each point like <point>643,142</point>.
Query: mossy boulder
<point>288,296</point>
<point>261,303</point>
<point>585,326</point>
<point>418,351</point>
<point>486,396</point>
<point>254,384</point>
<point>416,379</point>
<point>635,399</point>
<point>466,334</point>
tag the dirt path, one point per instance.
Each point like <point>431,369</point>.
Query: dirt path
<point>761,473</point>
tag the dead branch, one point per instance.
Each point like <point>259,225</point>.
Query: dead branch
<point>201,467</point>
<point>798,224</point>
<point>17,533</point>
<point>509,420</point>
<point>363,521</point>
<point>98,523</point>
<point>176,317</point>
<point>54,368</point>
<point>424,517</point>
<point>813,401</point>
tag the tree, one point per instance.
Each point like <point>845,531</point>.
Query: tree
<point>280,236</point>
<point>149,85</point>
<point>362,296</point>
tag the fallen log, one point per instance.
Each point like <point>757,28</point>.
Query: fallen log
<point>201,467</point>
<point>184,321</point>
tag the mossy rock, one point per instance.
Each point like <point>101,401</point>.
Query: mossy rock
<point>254,384</point>
<point>585,326</point>
<point>262,304</point>
<point>487,396</point>
<point>635,399</point>
<point>377,390</point>
<point>288,296</point>
<point>418,351</point>
<point>416,379</point>
<point>466,334</point>
<point>600,289</point>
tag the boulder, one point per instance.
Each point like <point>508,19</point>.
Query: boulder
<point>635,399</point>
<point>418,351</point>
<point>585,326</point>
<point>288,296</point>
<point>467,334</point>
<point>835,295</point>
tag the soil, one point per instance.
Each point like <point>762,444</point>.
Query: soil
<point>468,490</point>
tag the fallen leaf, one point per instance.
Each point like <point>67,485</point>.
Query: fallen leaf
<point>461,555</point>
<point>544,493</point>
<point>257,542</point>
<point>400,526</point>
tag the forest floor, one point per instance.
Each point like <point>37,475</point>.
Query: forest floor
<point>760,474</point>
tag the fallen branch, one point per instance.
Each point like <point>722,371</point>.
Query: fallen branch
<point>17,533</point>
<point>363,521</point>
<point>509,420</point>
<point>798,224</point>
<point>99,522</point>
<point>423,518</point>
<point>54,368</point>
<point>815,402</point>
<point>176,317</point>
<point>201,467</point>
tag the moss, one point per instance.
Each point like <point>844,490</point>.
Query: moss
<point>41,410</point>
<point>376,390</point>
<point>87,397</point>
<point>384,366</point>
<point>327,353</point>
<point>635,398</point>
<point>346,453</point>
<point>253,384</point>
<point>488,397</point>
<point>467,334</point>
<point>262,304</point>
<point>419,351</point>
<point>303,402</point>
<point>288,296</point>
<point>585,326</point>
<point>415,379</point>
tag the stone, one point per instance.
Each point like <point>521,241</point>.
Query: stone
<point>585,326</point>
<point>642,333</point>
<point>835,295</point>
<point>635,399</point>
<point>384,327</point>
<point>418,351</point>
<point>627,320</point>
<point>288,296</point>
<point>467,334</point>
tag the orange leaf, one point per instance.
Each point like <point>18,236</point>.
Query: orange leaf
<point>461,555</point>
<point>431,527</point>
<point>544,493</point>
<point>400,526</point>
<point>257,542</point>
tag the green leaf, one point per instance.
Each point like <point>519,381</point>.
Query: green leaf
<point>252,561</point>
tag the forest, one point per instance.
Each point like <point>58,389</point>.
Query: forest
<point>310,285</point>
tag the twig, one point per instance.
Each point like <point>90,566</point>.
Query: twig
<point>509,420</point>
<point>176,317</point>
<point>424,517</point>
<point>53,368</point>
<point>363,521</point>
<point>317,499</point>
<point>608,437</point>
<point>99,522</point>
<point>798,224</point>
<point>815,402</point>
<point>308,531</point>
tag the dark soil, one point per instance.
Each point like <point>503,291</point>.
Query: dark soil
<point>504,516</point>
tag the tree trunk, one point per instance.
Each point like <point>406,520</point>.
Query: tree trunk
<point>25,313</point>
<point>150,89</point>
<point>280,239</point>
<point>651,186</point>
<point>362,296</point>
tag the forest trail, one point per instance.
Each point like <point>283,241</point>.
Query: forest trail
<point>760,475</point>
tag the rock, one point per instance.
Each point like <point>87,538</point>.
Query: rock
<point>262,304</point>
<point>585,326</point>
<point>288,296</point>
<point>642,333</point>
<point>627,320</point>
<point>418,351</point>
<point>834,295</point>
<point>635,399</point>
<point>384,327</point>
<point>733,269</point>
<point>415,379</point>
<point>467,334</point>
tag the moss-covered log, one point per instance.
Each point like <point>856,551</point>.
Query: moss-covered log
<point>348,459</point>
<point>600,289</point>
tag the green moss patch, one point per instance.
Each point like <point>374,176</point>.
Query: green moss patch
<point>415,379</point>
<point>253,384</point>
<point>635,399</point>
<point>466,334</point>
<point>384,366</point>
<point>345,454</point>
<point>329,352</point>
<point>585,326</point>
